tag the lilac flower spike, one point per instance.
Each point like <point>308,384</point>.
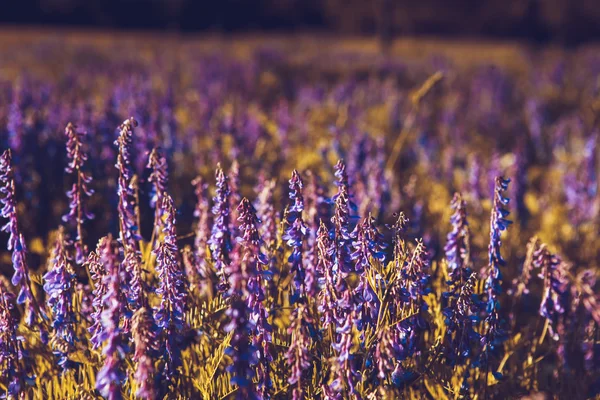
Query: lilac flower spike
<point>242,351</point>
<point>328,296</point>
<point>220,239</point>
<point>369,245</point>
<point>298,354</point>
<point>341,222</point>
<point>11,353</point>
<point>296,230</point>
<point>145,341</point>
<point>110,378</point>
<point>498,223</point>
<point>158,177</point>
<point>458,246</point>
<point>266,213</point>
<point>344,372</point>
<point>555,295</point>
<point>387,351</point>
<point>96,261</point>
<point>16,242</point>
<point>461,315</point>
<point>129,229</point>
<point>78,212</point>
<point>252,261</point>
<point>128,225</point>
<point>59,285</point>
<point>172,290</point>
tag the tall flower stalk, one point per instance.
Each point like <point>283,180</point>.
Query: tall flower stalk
<point>341,220</point>
<point>298,354</point>
<point>458,242</point>
<point>265,210</point>
<point>158,177</point>
<point>128,221</point>
<point>143,331</point>
<point>494,334</point>
<point>253,261</point>
<point>220,238</point>
<point>555,291</point>
<point>110,378</point>
<point>129,230</point>
<point>104,254</point>
<point>172,290</point>
<point>242,351</point>
<point>59,287</point>
<point>296,231</point>
<point>16,241</point>
<point>78,209</point>
<point>369,253</point>
<point>11,352</point>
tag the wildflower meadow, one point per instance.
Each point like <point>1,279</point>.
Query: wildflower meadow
<point>255,219</point>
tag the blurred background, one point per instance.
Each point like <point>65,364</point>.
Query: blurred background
<point>569,22</point>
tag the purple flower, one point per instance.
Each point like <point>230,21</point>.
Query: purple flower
<point>143,331</point>
<point>318,207</point>
<point>172,290</point>
<point>498,223</point>
<point>110,378</point>
<point>342,230</point>
<point>9,202</point>
<point>220,239</point>
<point>253,261</point>
<point>16,242</point>
<point>458,245</point>
<point>317,210</point>
<point>461,315</point>
<point>128,221</point>
<point>242,352</point>
<point>387,351</point>
<point>95,264</point>
<point>415,274</point>
<point>298,354</point>
<point>265,211</point>
<point>368,244</point>
<point>78,212</point>
<point>136,295</point>
<point>296,230</point>
<point>345,375</point>
<point>129,229</point>
<point>555,292</point>
<point>328,296</point>
<point>11,352</point>
<point>369,247</point>
<point>158,177</point>
<point>59,285</point>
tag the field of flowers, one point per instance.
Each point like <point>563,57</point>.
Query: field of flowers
<point>297,219</point>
